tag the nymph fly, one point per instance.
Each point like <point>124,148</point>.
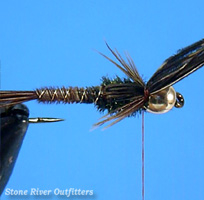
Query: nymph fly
<point>124,97</point>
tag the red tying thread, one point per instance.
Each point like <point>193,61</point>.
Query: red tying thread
<point>146,95</point>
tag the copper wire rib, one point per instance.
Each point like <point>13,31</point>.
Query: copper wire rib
<point>50,95</point>
<point>68,95</point>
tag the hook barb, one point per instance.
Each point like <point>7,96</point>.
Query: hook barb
<point>44,120</point>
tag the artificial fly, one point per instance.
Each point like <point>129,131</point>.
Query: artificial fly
<point>124,97</point>
<point>120,97</point>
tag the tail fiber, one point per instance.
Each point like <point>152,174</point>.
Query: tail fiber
<point>9,98</point>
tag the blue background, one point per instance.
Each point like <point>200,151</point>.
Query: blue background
<point>51,43</point>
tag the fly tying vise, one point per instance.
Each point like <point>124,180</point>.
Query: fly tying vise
<point>14,121</point>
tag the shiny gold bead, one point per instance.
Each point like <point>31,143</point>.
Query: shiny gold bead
<point>162,101</point>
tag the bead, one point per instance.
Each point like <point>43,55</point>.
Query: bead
<point>162,101</point>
